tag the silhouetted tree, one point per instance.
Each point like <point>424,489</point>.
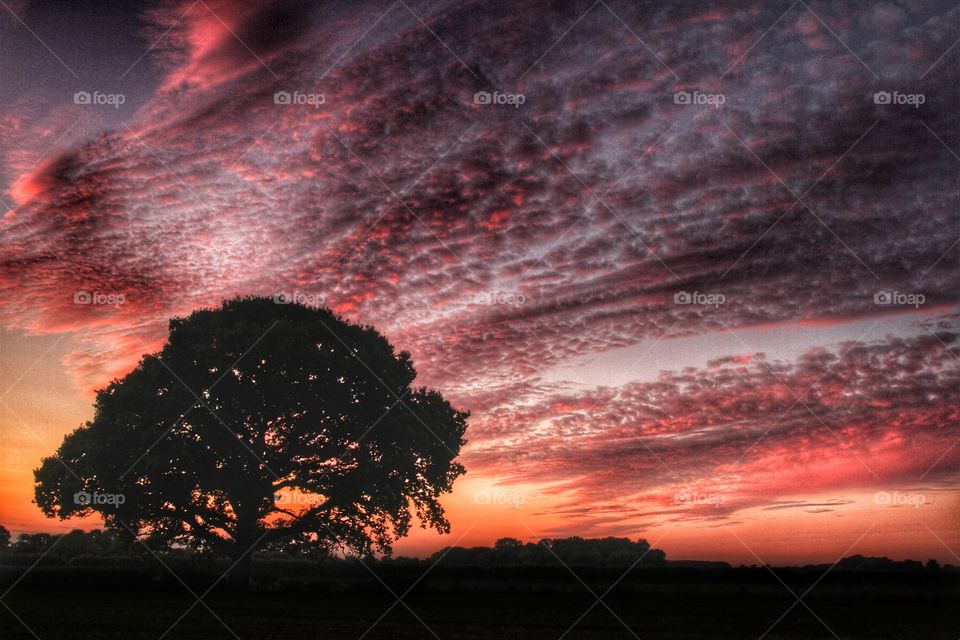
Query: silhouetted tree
<point>76,543</point>
<point>4,537</point>
<point>258,424</point>
<point>32,542</point>
<point>596,552</point>
<point>864,563</point>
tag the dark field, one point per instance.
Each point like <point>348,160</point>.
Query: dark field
<point>668,603</point>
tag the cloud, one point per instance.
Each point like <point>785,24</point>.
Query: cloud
<point>735,436</point>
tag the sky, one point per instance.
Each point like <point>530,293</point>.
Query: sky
<point>691,266</point>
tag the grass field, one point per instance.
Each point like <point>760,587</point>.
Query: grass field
<point>94,615</point>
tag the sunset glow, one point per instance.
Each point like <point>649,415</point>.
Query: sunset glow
<point>730,327</point>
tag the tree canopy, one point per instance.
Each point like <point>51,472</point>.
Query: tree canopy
<point>258,424</point>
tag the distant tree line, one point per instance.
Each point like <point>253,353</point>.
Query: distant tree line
<point>113,548</point>
<point>601,552</point>
<point>575,551</point>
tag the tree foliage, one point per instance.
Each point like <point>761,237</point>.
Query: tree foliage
<point>262,424</point>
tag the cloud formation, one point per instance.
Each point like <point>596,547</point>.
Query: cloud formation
<point>743,430</point>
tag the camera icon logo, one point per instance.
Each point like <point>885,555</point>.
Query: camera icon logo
<point>682,297</point>
<point>882,97</point>
<point>482,97</point>
<point>281,97</point>
<point>82,498</point>
<point>882,297</point>
<point>282,297</point>
<point>682,97</point>
<point>481,498</point>
<point>82,297</point>
<point>82,97</point>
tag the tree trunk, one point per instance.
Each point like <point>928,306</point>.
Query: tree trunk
<point>242,556</point>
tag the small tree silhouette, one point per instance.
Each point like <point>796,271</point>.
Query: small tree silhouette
<point>260,423</point>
